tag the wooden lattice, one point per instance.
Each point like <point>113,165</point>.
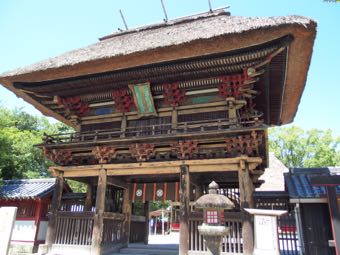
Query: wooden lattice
<point>60,156</point>
<point>74,105</point>
<point>244,145</point>
<point>185,149</point>
<point>142,151</point>
<point>103,154</point>
<point>173,95</point>
<point>123,100</point>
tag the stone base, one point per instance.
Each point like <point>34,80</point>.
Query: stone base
<point>24,248</point>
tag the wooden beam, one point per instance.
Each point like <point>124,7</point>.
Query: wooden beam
<point>327,180</point>
<point>117,182</point>
<point>184,195</point>
<point>246,189</point>
<point>55,204</point>
<point>98,223</point>
<point>165,167</point>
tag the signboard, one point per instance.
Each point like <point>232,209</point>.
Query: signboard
<point>143,99</point>
<point>7,216</point>
<point>266,237</point>
<point>265,232</point>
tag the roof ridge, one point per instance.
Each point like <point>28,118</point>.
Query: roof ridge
<point>13,181</point>
<point>172,22</point>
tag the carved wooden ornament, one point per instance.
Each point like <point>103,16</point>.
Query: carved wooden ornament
<point>123,100</point>
<point>60,156</point>
<point>74,104</point>
<point>103,154</point>
<point>185,149</point>
<point>173,95</point>
<point>244,145</point>
<point>142,151</point>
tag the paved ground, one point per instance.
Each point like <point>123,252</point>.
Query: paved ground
<point>172,238</point>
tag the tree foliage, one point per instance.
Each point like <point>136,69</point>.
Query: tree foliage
<point>296,147</point>
<point>19,133</point>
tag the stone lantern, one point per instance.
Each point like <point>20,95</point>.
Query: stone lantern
<point>213,228</point>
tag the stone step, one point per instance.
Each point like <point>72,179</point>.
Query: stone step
<point>141,249</point>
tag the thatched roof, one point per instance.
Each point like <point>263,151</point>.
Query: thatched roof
<point>273,176</point>
<point>206,26</point>
<point>188,37</point>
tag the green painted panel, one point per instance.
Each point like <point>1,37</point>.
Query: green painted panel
<point>204,99</point>
<point>143,99</point>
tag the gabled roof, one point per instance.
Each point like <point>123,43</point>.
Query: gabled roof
<point>195,36</point>
<point>26,188</point>
<point>299,185</point>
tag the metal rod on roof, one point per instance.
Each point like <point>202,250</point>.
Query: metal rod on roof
<point>164,10</point>
<point>121,14</point>
<point>210,8</point>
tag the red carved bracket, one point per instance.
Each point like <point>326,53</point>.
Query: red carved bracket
<point>123,100</point>
<point>173,95</point>
<point>103,154</point>
<point>142,151</point>
<point>185,149</point>
<point>244,145</point>
<point>74,104</point>
<point>60,156</point>
<point>236,86</point>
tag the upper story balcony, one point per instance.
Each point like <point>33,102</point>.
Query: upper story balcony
<point>206,139</point>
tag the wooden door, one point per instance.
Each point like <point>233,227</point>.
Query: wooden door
<point>316,229</point>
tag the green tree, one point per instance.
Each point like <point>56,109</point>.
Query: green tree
<point>296,147</point>
<point>19,133</point>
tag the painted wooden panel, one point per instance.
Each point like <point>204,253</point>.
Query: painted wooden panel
<point>143,99</point>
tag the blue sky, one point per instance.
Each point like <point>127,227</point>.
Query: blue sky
<point>37,29</point>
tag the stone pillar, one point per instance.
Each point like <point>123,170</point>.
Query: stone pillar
<point>246,187</point>
<point>98,223</point>
<point>55,204</point>
<point>184,197</point>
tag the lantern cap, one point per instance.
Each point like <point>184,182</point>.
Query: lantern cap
<point>214,200</point>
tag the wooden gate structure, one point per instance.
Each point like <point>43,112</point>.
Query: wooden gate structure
<point>161,111</point>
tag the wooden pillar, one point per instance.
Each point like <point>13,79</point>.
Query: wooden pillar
<point>174,118</point>
<point>198,191</point>
<point>184,197</point>
<point>123,125</point>
<point>88,199</point>
<point>55,204</point>
<point>246,187</point>
<point>37,217</point>
<point>127,213</point>
<point>147,222</point>
<point>98,222</point>
<point>335,216</point>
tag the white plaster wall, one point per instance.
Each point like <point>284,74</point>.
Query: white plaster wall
<point>24,230</point>
<point>42,230</point>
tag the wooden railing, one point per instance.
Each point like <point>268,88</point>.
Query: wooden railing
<point>74,228</point>
<point>160,129</point>
<point>113,229</point>
<point>232,243</point>
<point>138,229</point>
